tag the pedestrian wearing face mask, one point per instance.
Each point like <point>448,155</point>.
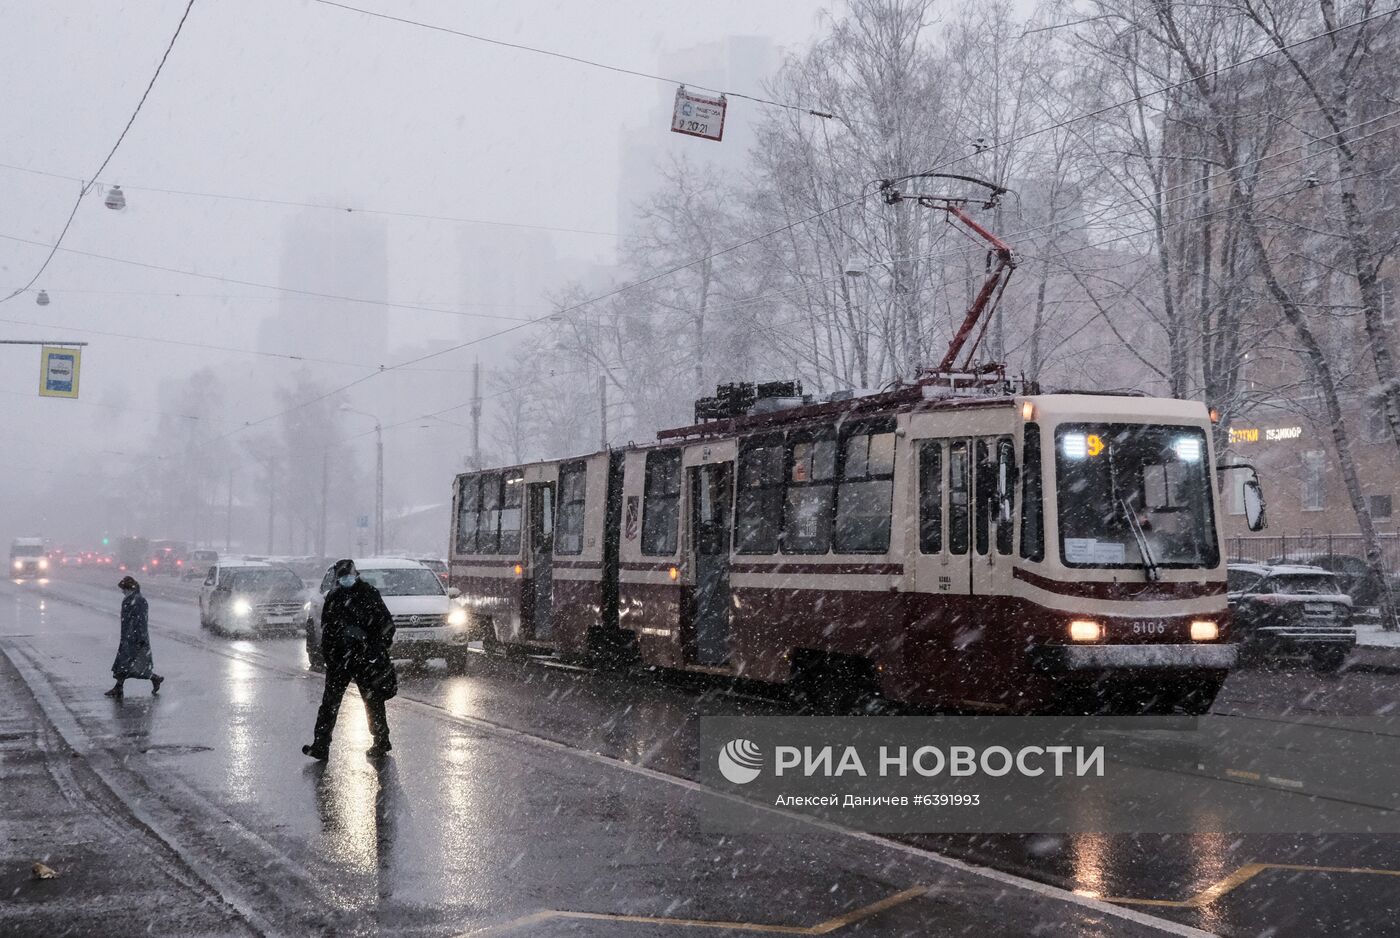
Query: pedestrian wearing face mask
<point>356,633</point>
<point>134,651</point>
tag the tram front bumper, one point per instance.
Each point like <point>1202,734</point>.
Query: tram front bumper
<point>1112,657</point>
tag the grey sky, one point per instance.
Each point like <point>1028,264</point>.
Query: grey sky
<point>299,101</point>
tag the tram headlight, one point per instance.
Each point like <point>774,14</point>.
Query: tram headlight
<point>1204,630</point>
<point>1085,630</point>
<point>43,563</point>
<point>19,564</point>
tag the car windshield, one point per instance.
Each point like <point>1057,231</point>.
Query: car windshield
<point>1299,583</point>
<point>26,550</point>
<point>1116,481</point>
<point>403,581</point>
<point>264,581</point>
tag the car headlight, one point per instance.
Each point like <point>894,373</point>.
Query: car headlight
<point>306,607</point>
<point>241,607</point>
<point>457,618</point>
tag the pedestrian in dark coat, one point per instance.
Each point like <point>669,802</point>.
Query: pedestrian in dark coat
<point>356,633</point>
<point>134,651</point>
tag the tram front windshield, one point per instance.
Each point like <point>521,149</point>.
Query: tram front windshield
<point>1134,495</point>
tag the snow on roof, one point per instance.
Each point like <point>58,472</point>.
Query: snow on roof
<point>384,563</point>
<point>1282,569</point>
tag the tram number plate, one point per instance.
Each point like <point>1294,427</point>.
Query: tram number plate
<point>1149,628</point>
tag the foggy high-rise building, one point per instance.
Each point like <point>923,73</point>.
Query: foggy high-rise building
<point>339,254</point>
<point>509,271</point>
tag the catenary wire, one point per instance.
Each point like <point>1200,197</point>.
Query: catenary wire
<point>570,58</point>
<point>87,186</point>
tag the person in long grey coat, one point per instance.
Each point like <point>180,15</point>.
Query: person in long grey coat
<point>134,652</point>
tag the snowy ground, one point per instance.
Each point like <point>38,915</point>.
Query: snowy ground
<point>525,798</point>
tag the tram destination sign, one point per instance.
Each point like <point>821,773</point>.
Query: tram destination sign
<point>1032,774</point>
<point>696,115</point>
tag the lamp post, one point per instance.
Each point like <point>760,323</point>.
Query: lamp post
<point>378,477</point>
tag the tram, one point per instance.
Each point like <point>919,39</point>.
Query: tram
<point>946,547</point>
<point>959,541</point>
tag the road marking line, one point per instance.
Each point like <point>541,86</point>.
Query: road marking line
<point>821,928</point>
<point>1044,890</point>
<point>1241,876</point>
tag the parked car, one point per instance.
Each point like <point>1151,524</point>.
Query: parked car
<point>1290,611</point>
<point>251,598</point>
<point>428,622</point>
<point>1354,574</point>
<point>197,564</point>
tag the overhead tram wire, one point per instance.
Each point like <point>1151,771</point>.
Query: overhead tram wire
<point>342,209</point>
<point>782,228</point>
<point>752,301</point>
<point>87,186</point>
<point>267,286</point>
<point>578,60</point>
<point>742,304</point>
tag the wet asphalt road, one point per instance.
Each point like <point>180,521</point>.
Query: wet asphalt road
<point>473,826</point>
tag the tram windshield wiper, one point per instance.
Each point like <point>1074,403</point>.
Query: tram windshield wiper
<point>1149,564</point>
<point>1150,570</point>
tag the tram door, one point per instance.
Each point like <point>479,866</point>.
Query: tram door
<point>994,483</point>
<point>711,501</point>
<point>541,519</point>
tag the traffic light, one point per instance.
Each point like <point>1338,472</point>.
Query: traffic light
<point>106,541</point>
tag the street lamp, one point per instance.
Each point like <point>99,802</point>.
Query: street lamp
<point>378,477</point>
<point>43,298</point>
<point>116,199</point>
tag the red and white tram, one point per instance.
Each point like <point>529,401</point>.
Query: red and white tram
<point>947,548</point>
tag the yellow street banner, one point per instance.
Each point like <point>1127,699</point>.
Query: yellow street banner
<point>58,371</point>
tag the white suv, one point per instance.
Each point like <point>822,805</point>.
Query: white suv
<point>428,621</point>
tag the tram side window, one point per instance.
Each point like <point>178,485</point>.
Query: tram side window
<point>468,508</point>
<point>864,494</point>
<point>958,497</point>
<point>758,510</point>
<point>931,497</point>
<point>573,483</point>
<point>661,499</point>
<point>1032,513</point>
<point>513,498</point>
<point>490,517</point>
<point>808,503</point>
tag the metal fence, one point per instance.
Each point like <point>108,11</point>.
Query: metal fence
<point>1307,546</point>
